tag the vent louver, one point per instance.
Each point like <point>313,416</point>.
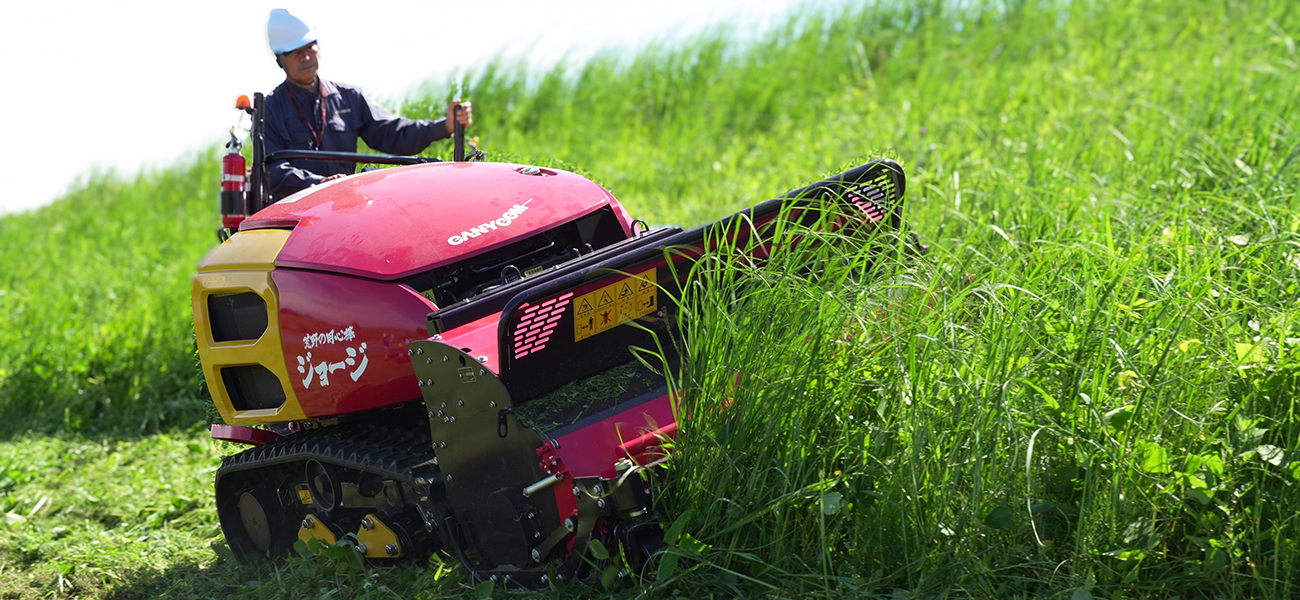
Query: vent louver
<point>235,317</point>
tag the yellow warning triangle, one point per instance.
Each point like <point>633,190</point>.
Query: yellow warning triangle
<point>626,291</point>
<point>605,298</point>
<point>584,306</point>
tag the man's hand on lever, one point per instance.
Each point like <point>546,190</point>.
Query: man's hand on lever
<point>466,116</point>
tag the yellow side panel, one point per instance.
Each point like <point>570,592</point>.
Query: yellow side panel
<point>243,263</point>
<point>255,249</point>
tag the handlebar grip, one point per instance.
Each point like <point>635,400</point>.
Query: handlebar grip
<point>458,154</point>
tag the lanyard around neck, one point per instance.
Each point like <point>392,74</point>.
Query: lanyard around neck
<point>317,136</point>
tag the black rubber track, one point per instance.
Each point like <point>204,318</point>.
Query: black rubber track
<point>400,453</point>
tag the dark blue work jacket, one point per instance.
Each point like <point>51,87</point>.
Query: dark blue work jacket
<point>293,122</point>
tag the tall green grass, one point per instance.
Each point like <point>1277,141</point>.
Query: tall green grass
<point>95,331</point>
<point>1086,388</point>
<point>1002,429</point>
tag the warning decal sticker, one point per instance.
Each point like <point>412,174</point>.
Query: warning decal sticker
<point>615,304</point>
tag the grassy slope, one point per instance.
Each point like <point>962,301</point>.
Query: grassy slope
<point>1098,339</point>
<point>94,332</point>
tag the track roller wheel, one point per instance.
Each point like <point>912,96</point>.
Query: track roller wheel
<point>324,485</point>
<point>260,513</point>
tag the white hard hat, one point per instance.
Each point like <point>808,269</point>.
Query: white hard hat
<point>286,32</point>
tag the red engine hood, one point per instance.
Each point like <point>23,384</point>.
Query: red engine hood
<point>391,223</point>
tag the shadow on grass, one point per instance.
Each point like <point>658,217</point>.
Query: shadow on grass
<point>291,579</point>
<point>136,394</point>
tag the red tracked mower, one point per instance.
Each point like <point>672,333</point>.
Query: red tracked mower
<point>439,356</point>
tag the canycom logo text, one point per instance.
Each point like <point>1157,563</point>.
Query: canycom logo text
<point>506,219</point>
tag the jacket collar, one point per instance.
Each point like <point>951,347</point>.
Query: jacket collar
<point>328,86</point>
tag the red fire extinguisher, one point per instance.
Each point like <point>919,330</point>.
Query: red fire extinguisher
<point>233,171</point>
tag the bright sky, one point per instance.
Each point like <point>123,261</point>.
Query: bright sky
<point>130,85</point>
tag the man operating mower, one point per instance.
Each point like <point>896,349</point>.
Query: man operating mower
<point>307,112</point>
